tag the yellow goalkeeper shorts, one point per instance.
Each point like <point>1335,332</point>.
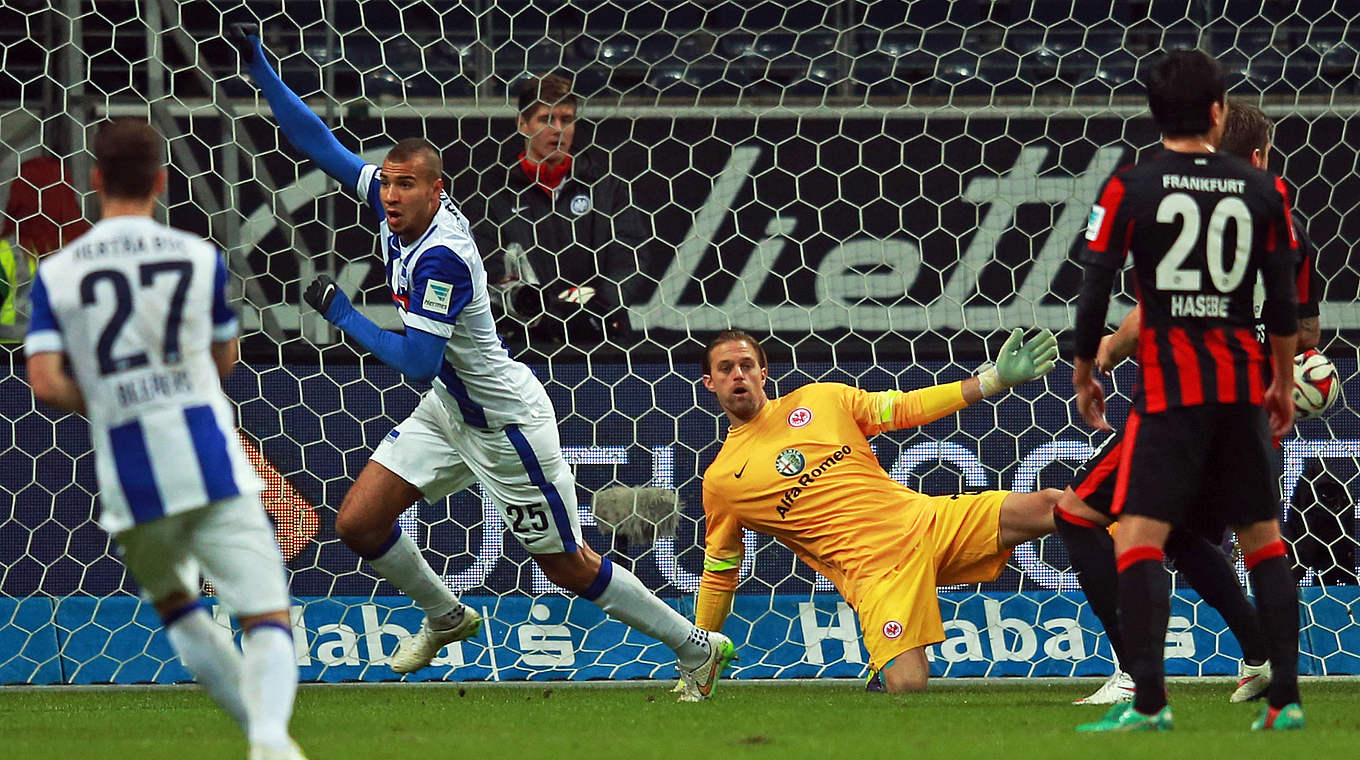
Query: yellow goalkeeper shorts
<point>900,610</point>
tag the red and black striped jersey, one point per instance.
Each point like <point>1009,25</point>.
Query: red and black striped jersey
<point>1200,227</point>
<point>1306,282</point>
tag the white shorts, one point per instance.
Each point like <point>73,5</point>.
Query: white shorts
<point>519,466</point>
<point>231,540</point>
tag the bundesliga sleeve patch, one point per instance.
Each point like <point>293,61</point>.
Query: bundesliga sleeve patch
<point>438,295</point>
<point>1093,223</point>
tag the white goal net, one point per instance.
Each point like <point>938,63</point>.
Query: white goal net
<point>877,187</point>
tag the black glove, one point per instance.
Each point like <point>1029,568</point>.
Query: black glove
<point>526,302</point>
<point>240,34</point>
<point>321,293</point>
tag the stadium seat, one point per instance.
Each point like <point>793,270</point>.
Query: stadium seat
<point>817,78</point>
<point>590,81</point>
<point>1337,68</point>
<point>957,74</point>
<point>774,45</point>
<point>615,50</point>
<point>813,44</point>
<point>656,46</point>
<point>1115,72</point>
<point>676,78</point>
<point>890,43</point>
<point>547,54</point>
<point>736,44</point>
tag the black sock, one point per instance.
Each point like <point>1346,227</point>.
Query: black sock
<point>1144,607</point>
<point>1277,598</point>
<point>1206,568</point>
<point>1091,551</point>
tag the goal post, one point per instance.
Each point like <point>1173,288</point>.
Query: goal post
<point>880,189</point>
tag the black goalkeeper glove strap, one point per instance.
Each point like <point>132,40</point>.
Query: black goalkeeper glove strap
<point>321,293</point>
<point>240,34</point>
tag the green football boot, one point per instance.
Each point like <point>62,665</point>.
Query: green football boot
<point>1123,717</point>
<point>1287,718</point>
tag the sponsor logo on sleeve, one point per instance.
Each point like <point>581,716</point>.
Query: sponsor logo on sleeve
<point>438,297</point>
<point>1093,223</point>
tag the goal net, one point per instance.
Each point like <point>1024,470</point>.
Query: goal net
<point>879,188</point>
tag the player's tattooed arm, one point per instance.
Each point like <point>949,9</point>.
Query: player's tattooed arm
<point>1310,333</point>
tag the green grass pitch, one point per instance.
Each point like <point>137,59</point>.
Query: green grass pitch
<point>1006,719</point>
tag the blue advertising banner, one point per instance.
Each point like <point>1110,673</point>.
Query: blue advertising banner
<point>311,433</point>
<point>1040,633</point>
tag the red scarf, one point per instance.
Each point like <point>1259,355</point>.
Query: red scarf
<point>546,177</point>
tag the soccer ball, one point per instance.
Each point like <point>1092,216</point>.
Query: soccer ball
<point>1316,384</point>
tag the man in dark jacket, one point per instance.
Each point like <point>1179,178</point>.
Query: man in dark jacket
<point>561,239</point>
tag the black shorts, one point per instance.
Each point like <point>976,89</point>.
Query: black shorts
<point>1094,484</point>
<point>1094,480</point>
<point>1198,467</point>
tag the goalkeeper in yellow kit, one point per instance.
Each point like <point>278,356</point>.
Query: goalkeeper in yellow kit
<point>799,468</point>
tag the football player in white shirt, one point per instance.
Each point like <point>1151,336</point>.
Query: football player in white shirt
<point>139,312</point>
<point>487,418</point>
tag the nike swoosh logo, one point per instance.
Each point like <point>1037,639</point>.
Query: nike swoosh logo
<point>518,209</point>
<point>743,469</point>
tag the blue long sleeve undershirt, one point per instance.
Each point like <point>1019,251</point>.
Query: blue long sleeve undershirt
<point>415,353</point>
<point>303,128</point>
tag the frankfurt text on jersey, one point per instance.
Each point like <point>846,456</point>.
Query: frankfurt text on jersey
<point>1204,184</point>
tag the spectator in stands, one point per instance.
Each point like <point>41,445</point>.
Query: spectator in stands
<point>43,214</point>
<point>560,235</point>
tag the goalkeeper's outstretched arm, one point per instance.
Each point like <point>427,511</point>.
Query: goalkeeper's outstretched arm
<point>1019,361</point>
<point>303,128</point>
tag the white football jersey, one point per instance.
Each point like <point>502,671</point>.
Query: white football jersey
<point>439,286</point>
<point>135,306</point>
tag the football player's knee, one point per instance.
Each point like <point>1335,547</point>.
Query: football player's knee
<point>567,571</point>
<point>358,533</point>
<point>903,680</point>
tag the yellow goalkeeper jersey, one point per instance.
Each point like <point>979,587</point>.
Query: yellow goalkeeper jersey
<point>802,471</point>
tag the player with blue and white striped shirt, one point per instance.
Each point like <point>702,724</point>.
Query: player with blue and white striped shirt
<point>139,311</point>
<point>487,418</point>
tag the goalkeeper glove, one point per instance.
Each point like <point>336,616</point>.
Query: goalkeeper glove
<point>325,295</point>
<point>240,35</point>
<point>1019,363</point>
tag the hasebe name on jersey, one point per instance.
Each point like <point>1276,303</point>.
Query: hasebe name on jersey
<point>1200,306</point>
<point>1204,184</point>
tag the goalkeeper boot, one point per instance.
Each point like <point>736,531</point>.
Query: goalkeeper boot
<point>1123,717</point>
<point>698,683</point>
<point>1287,718</point>
<point>1252,682</point>
<point>417,651</point>
<point>1118,689</point>
<point>875,685</point>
